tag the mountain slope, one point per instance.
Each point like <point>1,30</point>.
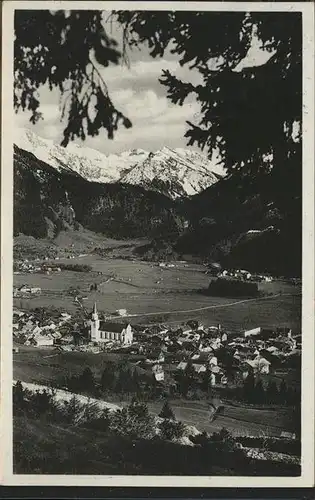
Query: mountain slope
<point>174,173</point>
<point>233,222</point>
<point>47,201</point>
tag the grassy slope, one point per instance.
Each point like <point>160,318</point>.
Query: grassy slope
<point>44,366</point>
<point>44,448</point>
<point>240,421</point>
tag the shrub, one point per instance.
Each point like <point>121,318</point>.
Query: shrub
<point>133,421</point>
<point>170,429</point>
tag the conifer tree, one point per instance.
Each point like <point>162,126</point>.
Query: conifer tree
<point>19,402</point>
<point>167,411</point>
<point>249,387</point>
<point>87,381</point>
<point>259,393</point>
<point>272,392</point>
<point>283,392</point>
<point>206,381</point>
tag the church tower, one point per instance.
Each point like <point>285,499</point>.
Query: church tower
<point>95,325</point>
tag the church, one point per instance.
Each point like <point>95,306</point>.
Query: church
<point>104,331</point>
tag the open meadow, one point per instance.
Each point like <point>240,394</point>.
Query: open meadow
<point>153,294</point>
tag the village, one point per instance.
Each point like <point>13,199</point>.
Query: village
<point>161,350</point>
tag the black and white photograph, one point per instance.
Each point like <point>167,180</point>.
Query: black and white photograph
<point>157,242</point>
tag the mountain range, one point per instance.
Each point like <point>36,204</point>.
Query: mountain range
<point>171,197</point>
<point>172,172</point>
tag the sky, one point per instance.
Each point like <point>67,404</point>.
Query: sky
<point>136,91</point>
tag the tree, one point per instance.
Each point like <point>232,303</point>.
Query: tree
<point>245,129</point>
<point>108,378</point>
<point>272,394</point>
<point>86,381</point>
<point>259,394</point>
<point>72,410</point>
<point>170,429</point>
<point>206,381</point>
<point>19,402</point>
<point>136,387</point>
<point>259,139</point>
<point>249,387</point>
<point>190,371</point>
<point>42,403</point>
<point>90,412</point>
<point>167,411</point>
<point>137,409</point>
<point>65,50</point>
<point>283,392</point>
<point>133,421</point>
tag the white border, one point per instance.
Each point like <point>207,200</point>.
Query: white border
<point>307,477</point>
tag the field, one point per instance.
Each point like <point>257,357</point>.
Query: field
<point>46,365</point>
<point>153,294</point>
<point>240,421</point>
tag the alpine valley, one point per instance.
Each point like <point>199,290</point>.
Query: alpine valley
<point>174,198</point>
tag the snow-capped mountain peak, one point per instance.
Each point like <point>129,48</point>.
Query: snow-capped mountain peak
<point>174,172</point>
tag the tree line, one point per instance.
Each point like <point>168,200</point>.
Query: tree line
<point>255,392</point>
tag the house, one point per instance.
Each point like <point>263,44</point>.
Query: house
<point>43,341</point>
<point>205,348</point>
<point>35,331</point>
<point>155,357</point>
<point>259,365</point>
<point>65,316</point>
<point>103,331</point>
<point>158,372</point>
<point>199,368</point>
<point>252,332</point>
<point>28,289</point>
<point>224,337</point>
<point>182,365</point>
<point>67,339</point>
<point>121,312</point>
<point>288,435</point>
<point>213,361</point>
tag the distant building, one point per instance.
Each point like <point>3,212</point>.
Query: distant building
<point>224,337</point>
<point>121,312</point>
<point>103,331</point>
<point>254,331</point>
<point>43,341</point>
<point>288,435</point>
<point>259,365</point>
<point>158,372</point>
<point>28,289</point>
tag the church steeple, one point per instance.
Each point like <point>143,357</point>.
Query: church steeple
<point>94,325</point>
<point>94,313</point>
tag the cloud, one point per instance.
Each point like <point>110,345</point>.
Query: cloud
<point>156,123</point>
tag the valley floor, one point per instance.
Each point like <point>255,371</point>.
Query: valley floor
<point>151,293</point>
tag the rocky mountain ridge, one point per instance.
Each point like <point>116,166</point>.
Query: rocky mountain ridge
<point>172,172</point>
